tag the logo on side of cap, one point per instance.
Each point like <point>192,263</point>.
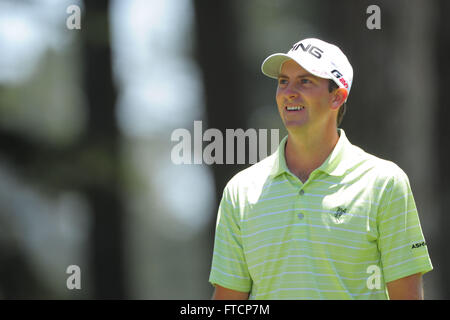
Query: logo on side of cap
<point>313,50</point>
<point>339,76</point>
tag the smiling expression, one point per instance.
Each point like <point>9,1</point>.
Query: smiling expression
<point>303,99</point>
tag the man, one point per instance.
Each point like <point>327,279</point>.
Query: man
<point>320,218</point>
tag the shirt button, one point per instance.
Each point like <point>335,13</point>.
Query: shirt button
<point>300,215</point>
<point>302,192</point>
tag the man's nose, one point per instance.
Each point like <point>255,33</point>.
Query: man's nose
<point>291,94</point>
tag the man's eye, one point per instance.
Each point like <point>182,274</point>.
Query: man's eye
<point>282,81</point>
<point>305,81</point>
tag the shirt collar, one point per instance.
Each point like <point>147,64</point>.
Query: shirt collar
<point>336,164</point>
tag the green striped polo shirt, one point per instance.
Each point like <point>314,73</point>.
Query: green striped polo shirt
<point>345,232</point>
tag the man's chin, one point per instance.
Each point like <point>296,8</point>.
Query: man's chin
<point>295,125</point>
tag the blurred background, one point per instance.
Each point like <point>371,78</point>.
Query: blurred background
<point>86,118</point>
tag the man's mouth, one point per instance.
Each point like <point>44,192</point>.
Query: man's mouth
<point>294,108</point>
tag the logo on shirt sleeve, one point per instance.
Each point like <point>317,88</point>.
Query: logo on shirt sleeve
<point>418,245</point>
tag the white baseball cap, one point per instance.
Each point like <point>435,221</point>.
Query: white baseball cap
<point>318,57</point>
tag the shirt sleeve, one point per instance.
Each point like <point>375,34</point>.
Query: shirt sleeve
<point>229,268</point>
<point>401,242</point>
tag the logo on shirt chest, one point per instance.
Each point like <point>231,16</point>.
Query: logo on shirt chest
<point>339,212</point>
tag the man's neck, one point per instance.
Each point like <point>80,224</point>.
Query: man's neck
<point>305,151</point>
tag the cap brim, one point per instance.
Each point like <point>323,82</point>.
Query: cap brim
<point>271,67</point>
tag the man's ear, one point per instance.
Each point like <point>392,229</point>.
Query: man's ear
<point>339,96</point>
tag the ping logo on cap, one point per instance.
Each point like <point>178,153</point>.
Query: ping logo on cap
<point>313,50</point>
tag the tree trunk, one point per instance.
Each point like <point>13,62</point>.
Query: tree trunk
<point>217,54</point>
<point>101,148</point>
<point>442,138</point>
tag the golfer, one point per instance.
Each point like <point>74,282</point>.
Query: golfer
<point>320,218</point>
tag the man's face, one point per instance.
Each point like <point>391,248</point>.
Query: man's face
<point>303,99</point>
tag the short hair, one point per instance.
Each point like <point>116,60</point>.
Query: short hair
<point>331,87</point>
